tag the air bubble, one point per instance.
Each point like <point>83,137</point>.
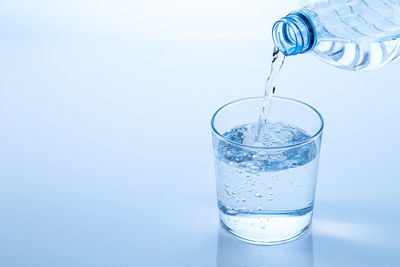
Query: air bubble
<point>227,191</point>
<point>254,168</point>
<point>258,195</point>
<point>262,153</point>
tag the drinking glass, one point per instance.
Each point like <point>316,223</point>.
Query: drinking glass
<point>266,193</point>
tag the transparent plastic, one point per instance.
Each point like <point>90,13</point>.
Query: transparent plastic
<point>349,34</point>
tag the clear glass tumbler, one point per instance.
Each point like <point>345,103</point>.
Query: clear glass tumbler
<point>266,193</point>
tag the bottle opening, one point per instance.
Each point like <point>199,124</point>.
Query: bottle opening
<point>293,34</point>
<point>284,37</point>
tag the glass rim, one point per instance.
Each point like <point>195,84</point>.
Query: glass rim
<point>280,98</point>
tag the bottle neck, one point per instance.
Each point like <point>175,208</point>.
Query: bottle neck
<point>294,34</point>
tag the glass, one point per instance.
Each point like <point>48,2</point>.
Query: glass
<point>266,194</point>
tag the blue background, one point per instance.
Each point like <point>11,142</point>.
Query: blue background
<point>106,153</point>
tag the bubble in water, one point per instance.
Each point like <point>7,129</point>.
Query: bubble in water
<point>270,187</point>
<point>254,168</point>
<point>269,198</point>
<point>276,134</point>
<point>262,153</point>
<point>227,191</point>
<point>258,195</point>
<point>243,200</point>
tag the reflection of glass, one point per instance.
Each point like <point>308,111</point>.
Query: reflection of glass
<point>235,253</point>
<point>266,191</point>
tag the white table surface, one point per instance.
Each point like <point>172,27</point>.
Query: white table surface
<point>106,155</point>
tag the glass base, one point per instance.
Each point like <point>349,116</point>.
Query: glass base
<point>267,228</point>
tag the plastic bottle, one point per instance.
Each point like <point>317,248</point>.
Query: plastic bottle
<point>349,34</point>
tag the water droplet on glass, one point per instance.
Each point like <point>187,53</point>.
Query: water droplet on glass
<point>258,195</point>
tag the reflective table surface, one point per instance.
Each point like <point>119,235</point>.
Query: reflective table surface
<point>106,155</point>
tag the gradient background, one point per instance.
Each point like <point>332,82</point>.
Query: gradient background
<point>106,154</point>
